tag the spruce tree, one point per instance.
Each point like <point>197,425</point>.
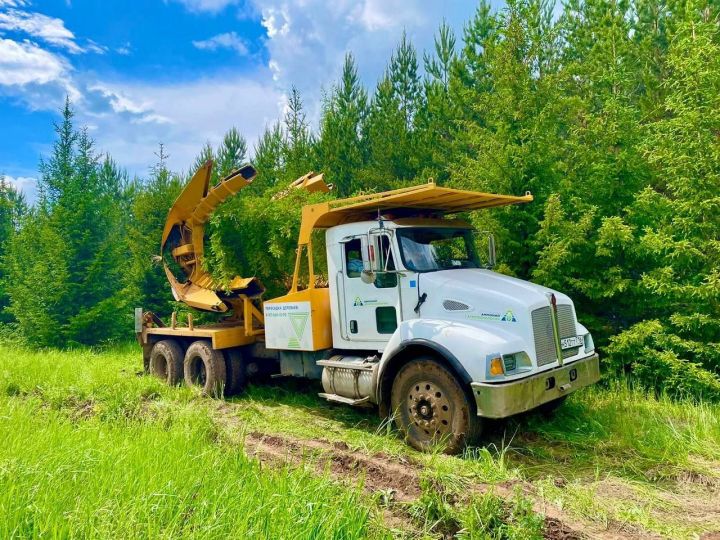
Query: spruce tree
<point>341,147</point>
<point>146,283</point>
<point>12,209</point>
<point>298,144</point>
<point>65,265</point>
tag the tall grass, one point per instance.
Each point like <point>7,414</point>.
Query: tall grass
<point>90,448</point>
<point>624,430</point>
<point>85,452</point>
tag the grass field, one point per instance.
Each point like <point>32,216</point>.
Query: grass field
<point>91,448</point>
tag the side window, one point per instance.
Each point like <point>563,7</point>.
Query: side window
<point>353,258</point>
<point>385,319</point>
<point>386,277</point>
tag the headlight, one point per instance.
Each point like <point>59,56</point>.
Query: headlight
<point>499,365</point>
<point>589,344</point>
<point>515,361</point>
<point>510,362</point>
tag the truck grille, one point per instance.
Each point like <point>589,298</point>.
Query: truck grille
<point>543,333</point>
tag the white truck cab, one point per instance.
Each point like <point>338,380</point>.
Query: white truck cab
<point>411,320</point>
<point>418,285</point>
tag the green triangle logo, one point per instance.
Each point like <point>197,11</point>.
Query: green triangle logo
<point>299,322</point>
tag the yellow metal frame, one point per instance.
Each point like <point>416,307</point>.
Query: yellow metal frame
<point>423,199</point>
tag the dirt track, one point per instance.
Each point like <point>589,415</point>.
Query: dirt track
<point>398,481</point>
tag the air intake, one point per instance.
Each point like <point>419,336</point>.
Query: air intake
<point>454,305</point>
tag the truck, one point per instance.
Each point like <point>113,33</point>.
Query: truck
<point>409,320</point>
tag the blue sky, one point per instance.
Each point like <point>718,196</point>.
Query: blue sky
<point>183,72</point>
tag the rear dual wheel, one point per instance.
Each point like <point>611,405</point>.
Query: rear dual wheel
<point>215,373</point>
<point>166,361</point>
<point>205,369</point>
<point>431,409</point>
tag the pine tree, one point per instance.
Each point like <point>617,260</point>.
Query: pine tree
<point>65,265</point>
<point>231,154</point>
<point>511,139</point>
<point>12,209</point>
<point>405,80</point>
<point>268,157</point>
<point>677,347</point>
<point>434,121</point>
<point>386,136</point>
<point>146,284</point>
<point>298,144</point>
<point>390,125</point>
<point>341,147</point>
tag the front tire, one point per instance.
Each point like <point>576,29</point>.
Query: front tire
<point>430,408</point>
<point>204,368</point>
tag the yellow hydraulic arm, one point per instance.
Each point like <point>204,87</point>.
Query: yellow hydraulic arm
<point>183,236</point>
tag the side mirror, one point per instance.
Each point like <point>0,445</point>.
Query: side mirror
<point>367,276</point>
<point>491,251</point>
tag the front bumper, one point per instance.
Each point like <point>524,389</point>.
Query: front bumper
<point>500,400</point>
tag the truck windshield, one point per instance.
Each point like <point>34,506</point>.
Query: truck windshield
<point>429,249</point>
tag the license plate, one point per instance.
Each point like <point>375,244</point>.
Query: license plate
<point>570,342</point>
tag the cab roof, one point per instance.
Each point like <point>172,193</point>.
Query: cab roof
<point>424,200</point>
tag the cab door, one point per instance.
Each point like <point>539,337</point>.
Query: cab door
<point>370,290</point>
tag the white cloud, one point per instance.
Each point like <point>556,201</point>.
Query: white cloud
<point>25,63</point>
<point>38,77</point>
<point>26,185</point>
<point>124,50</point>
<point>37,25</point>
<point>121,103</point>
<point>183,116</point>
<point>210,6</point>
<point>228,40</point>
<point>96,48</point>
<point>13,3</point>
<point>307,39</point>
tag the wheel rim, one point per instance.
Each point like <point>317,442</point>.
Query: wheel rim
<point>429,409</point>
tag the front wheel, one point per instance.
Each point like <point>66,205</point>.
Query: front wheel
<point>431,409</point>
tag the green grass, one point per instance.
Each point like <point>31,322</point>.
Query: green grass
<point>90,448</point>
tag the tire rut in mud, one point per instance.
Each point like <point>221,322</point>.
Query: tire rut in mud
<point>378,473</point>
<point>397,481</point>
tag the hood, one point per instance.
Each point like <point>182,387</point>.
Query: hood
<point>476,285</point>
<point>478,296</point>
<point>499,305</point>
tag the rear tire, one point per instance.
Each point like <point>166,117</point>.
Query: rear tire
<point>166,361</point>
<point>430,408</point>
<point>204,369</point>
<point>235,368</point>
